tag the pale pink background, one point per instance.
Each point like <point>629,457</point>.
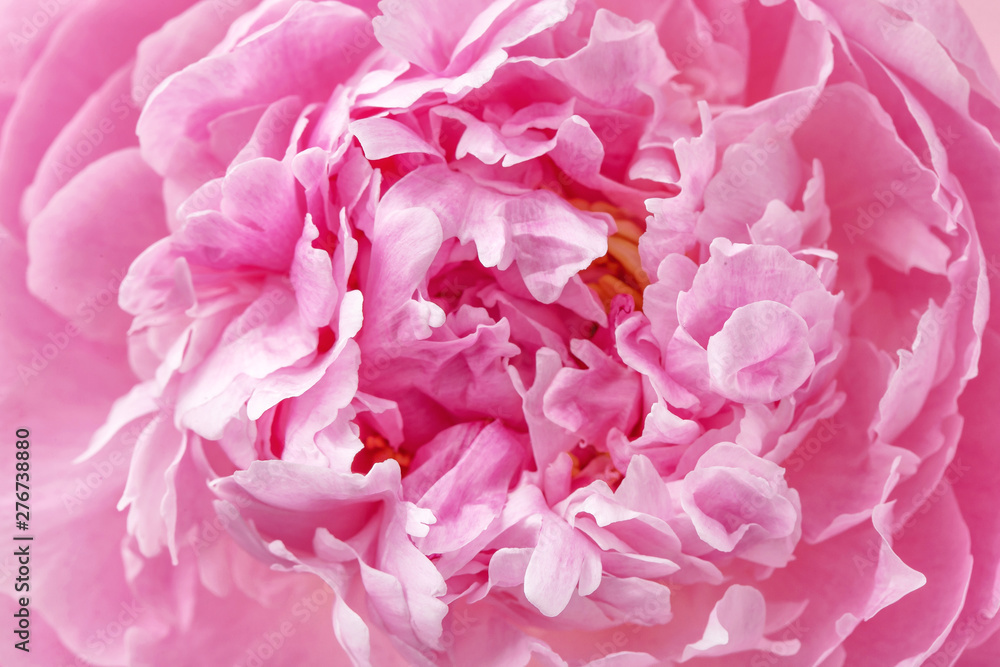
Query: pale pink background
<point>985,16</point>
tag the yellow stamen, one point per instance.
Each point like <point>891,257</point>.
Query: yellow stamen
<point>621,268</point>
<point>380,450</point>
<point>609,475</point>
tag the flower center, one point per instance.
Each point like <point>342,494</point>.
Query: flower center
<point>619,271</point>
<point>376,450</point>
<point>590,465</point>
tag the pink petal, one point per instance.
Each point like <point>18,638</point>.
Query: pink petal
<point>69,71</point>
<point>79,250</point>
<point>469,495</point>
<point>761,354</point>
<point>558,563</point>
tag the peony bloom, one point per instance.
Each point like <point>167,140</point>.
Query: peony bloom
<point>546,332</point>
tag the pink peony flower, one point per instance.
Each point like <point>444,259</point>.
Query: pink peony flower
<point>518,333</point>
